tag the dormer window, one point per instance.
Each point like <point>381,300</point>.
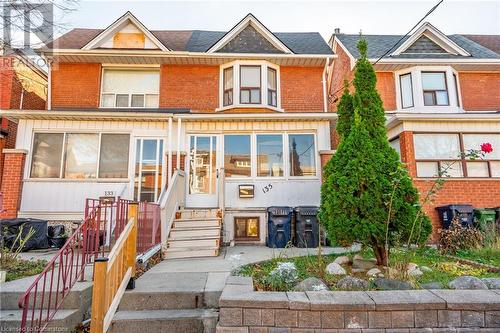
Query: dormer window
<point>124,88</point>
<point>434,88</point>
<point>250,84</point>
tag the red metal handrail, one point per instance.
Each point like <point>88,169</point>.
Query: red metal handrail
<point>92,239</point>
<point>148,227</point>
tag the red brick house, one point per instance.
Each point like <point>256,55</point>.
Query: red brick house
<point>128,106</point>
<point>23,85</point>
<point>440,96</point>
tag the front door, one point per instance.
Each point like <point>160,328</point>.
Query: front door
<point>203,164</point>
<point>149,165</point>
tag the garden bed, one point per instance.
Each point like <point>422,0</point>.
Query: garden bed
<point>435,272</point>
<point>23,268</point>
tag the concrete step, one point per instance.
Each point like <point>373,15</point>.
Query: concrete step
<point>194,242</point>
<point>194,232</point>
<point>161,300</point>
<point>172,321</point>
<point>177,253</point>
<point>193,223</point>
<point>10,320</point>
<point>198,213</point>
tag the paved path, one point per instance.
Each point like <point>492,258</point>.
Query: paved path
<point>209,274</point>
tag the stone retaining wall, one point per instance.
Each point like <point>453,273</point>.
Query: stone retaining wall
<point>243,310</point>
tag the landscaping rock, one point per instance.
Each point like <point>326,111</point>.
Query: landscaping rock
<point>492,283</point>
<point>366,264</point>
<point>311,284</point>
<point>411,266</point>
<point>415,272</point>
<point>352,283</point>
<point>432,285</point>
<point>390,284</point>
<point>467,282</point>
<point>335,269</point>
<point>342,260</point>
<point>425,269</point>
<point>374,272</point>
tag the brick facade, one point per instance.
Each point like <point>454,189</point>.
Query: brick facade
<point>12,183</point>
<point>76,85</point>
<point>301,89</point>
<point>476,90</point>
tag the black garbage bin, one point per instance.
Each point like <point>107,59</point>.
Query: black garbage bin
<point>10,228</point>
<point>465,214</point>
<point>306,226</point>
<point>279,226</point>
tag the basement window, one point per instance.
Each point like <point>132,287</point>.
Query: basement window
<point>246,228</point>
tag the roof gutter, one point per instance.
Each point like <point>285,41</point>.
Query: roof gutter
<point>398,118</point>
<point>85,115</point>
<point>428,60</point>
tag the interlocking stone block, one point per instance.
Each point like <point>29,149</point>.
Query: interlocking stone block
<point>233,290</point>
<point>406,300</point>
<point>449,318</point>
<point>469,299</point>
<point>267,317</point>
<point>332,319</point>
<point>477,330</point>
<point>340,300</point>
<point>403,319</point>
<point>472,318</point>
<point>492,319</point>
<point>298,301</point>
<point>285,318</point>
<point>379,319</point>
<point>310,319</point>
<point>426,318</point>
<point>373,330</point>
<point>356,319</point>
<point>252,317</point>
<point>302,330</point>
<point>350,330</point>
<point>257,299</point>
<point>421,330</point>
<point>397,330</point>
<point>230,316</point>
<point>239,280</point>
<point>279,330</point>
<point>221,329</point>
<point>444,330</point>
<point>258,330</point>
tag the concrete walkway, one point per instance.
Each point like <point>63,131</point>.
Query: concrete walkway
<point>208,275</point>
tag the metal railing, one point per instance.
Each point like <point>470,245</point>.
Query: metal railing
<point>148,227</point>
<point>103,223</point>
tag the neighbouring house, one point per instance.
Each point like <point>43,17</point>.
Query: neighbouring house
<point>129,106</point>
<point>441,98</point>
<point>23,85</point>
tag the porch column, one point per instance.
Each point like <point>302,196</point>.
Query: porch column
<point>12,183</point>
<point>169,151</point>
<point>178,159</point>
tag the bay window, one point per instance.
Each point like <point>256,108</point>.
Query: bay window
<point>130,88</point>
<point>228,86</point>
<point>435,89</point>
<point>271,87</point>
<point>445,152</point>
<point>406,90</point>
<point>250,81</point>
<point>76,155</point>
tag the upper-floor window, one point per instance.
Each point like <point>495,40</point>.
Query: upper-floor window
<point>406,90</point>
<point>434,88</point>
<point>250,84</point>
<point>130,88</point>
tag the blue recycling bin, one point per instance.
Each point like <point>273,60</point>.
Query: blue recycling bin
<point>465,214</point>
<point>279,226</point>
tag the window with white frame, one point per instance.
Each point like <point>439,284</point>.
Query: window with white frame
<point>130,88</point>
<point>302,154</point>
<point>435,152</point>
<point>406,87</point>
<point>76,155</point>
<point>435,88</point>
<point>250,84</point>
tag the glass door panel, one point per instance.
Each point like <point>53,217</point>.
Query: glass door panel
<point>148,169</point>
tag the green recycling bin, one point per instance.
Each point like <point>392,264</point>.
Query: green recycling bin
<point>484,219</point>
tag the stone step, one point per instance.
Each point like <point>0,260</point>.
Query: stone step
<point>194,242</point>
<point>185,252</point>
<point>10,320</point>
<point>161,300</point>
<point>194,233</point>
<point>172,321</point>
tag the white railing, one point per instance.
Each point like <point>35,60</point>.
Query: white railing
<point>170,200</point>
<point>222,189</point>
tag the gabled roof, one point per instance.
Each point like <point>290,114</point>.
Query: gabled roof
<point>491,42</point>
<point>252,21</point>
<point>116,26</point>
<point>434,35</point>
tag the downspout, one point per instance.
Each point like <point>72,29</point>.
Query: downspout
<point>169,168</point>
<point>49,81</point>
<point>325,97</point>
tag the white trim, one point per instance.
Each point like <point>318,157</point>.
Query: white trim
<point>118,24</point>
<point>249,20</point>
<point>395,119</point>
<point>436,36</point>
<point>264,65</point>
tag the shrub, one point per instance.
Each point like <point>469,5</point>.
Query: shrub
<point>283,277</point>
<point>457,238</point>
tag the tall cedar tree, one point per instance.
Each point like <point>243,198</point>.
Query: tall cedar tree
<point>364,181</point>
<point>345,111</point>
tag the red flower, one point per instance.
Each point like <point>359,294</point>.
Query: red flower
<point>486,148</point>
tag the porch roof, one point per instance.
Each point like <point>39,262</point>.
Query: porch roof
<point>397,118</point>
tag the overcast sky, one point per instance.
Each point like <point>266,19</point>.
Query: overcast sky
<point>371,17</point>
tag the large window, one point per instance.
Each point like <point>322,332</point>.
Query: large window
<point>444,152</point>
<point>406,90</point>
<point>272,87</point>
<point>237,156</point>
<point>269,155</point>
<point>435,89</point>
<point>228,86</point>
<point>76,155</point>
<point>302,155</point>
<point>250,82</point>
<point>130,88</point>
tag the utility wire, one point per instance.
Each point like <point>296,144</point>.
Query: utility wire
<point>395,44</point>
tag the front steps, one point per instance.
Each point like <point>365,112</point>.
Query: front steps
<point>195,233</point>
